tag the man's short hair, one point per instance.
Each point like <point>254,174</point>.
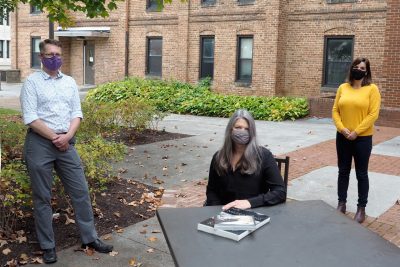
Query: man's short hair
<point>43,44</point>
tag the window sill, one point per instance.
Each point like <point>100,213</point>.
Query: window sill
<point>153,77</point>
<point>243,84</point>
<point>329,89</point>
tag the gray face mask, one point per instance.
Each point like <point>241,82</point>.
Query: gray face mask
<point>240,136</point>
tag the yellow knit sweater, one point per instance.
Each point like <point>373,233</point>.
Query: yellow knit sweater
<point>356,109</point>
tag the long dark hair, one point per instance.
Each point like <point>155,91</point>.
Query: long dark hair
<point>367,80</point>
<point>250,161</point>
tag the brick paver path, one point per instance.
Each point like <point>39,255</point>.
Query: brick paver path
<point>305,160</point>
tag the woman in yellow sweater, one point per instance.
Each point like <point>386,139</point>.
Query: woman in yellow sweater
<point>355,110</point>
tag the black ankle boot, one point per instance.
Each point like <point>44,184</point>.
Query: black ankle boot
<point>360,215</point>
<point>341,207</point>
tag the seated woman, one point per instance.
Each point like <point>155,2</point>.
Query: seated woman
<point>242,173</point>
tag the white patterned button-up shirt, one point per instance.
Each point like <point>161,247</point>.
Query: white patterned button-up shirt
<point>55,101</point>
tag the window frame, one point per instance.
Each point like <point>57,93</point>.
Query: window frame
<point>34,10</point>
<point>148,40</point>
<point>238,58</point>
<point>1,48</point>
<point>8,48</point>
<point>202,38</point>
<point>33,54</point>
<point>340,1</point>
<point>325,59</point>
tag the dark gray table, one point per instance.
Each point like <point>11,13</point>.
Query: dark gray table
<point>306,233</point>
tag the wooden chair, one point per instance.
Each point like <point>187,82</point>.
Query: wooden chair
<point>285,174</point>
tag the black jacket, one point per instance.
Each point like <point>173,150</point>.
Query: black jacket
<point>263,189</point>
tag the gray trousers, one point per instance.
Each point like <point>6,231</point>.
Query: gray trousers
<point>41,157</point>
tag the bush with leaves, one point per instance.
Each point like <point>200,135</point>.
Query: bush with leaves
<point>177,97</point>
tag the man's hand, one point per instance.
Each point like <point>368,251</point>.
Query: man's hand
<point>61,141</point>
<point>240,204</point>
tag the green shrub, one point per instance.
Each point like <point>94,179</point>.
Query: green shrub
<point>96,154</point>
<point>108,116</point>
<point>177,97</point>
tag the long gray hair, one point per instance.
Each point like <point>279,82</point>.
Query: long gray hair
<point>250,161</point>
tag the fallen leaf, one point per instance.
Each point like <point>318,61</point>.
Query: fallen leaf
<point>56,216</point>
<point>6,251</point>
<point>120,230</point>
<point>117,214</point>
<point>12,263</point>
<point>143,231</point>
<point>133,203</point>
<point>156,231</point>
<point>132,262</point>
<point>183,180</point>
<point>107,237</point>
<point>68,220</point>
<point>24,257</point>
<point>3,242</point>
<point>152,238</point>
<point>103,194</point>
<point>89,251</point>
<point>20,232</point>
<point>122,170</point>
<point>21,239</point>
<point>150,250</point>
<point>113,253</point>
<point>37,260</point>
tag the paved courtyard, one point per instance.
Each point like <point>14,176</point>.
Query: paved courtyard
<point>182,166</point>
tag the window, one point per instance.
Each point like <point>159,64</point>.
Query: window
<point>8,49</point>
<point>208,2</point>
<point>35,10</point>
<point>154,56</point>
<point>207,57</point>
<point>338,56</point>
<point>1,48</point>
<point>35,51</point>
<point>152,5</point>
<point>341,1</point>
<point>4,18</point>
<point>245,58</point>
<point>245,2</point>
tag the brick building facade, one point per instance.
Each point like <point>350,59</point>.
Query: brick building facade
<point>250,47</point>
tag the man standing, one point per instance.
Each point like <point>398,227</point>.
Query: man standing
<point>51,108</point>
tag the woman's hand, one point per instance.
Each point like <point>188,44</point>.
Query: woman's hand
<point>346,132</point>
<point>240,204</point>
<point>352,136</point>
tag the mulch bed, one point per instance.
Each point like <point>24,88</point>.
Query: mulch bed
<point>125,202</point>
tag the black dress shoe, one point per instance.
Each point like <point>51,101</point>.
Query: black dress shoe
<point>99,246</point>
<point>49,255</point>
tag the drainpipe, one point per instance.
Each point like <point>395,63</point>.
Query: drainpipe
<point>127,38</point>
<point>51,29</point>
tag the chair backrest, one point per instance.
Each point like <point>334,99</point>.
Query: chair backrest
<point>285,162</point>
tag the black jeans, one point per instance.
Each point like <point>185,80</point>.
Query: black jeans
<point>360,149</point>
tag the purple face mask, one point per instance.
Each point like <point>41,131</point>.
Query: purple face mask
<point>53,63</point>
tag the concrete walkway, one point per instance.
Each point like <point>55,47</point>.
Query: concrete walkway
<point>182,166</point>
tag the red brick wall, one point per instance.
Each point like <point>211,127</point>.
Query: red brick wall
<point>391,67</point>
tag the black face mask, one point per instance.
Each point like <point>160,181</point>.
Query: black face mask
<point>358,74</point>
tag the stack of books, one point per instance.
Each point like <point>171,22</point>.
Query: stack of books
<point>233,223</point>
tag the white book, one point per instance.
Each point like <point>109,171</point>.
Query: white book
<point>208,226</point>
